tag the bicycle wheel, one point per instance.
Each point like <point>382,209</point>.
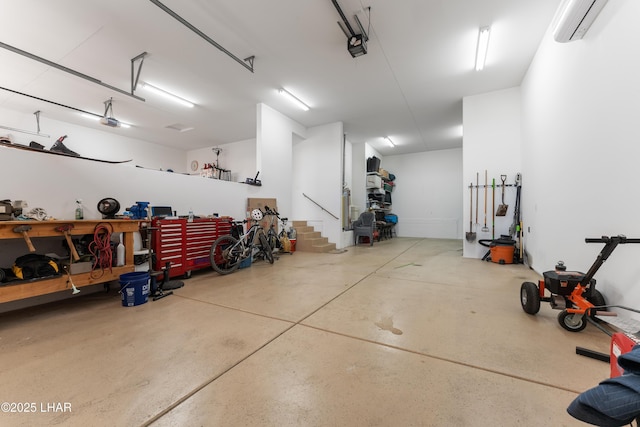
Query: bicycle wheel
<point>273,240</point>
<point>266,248</point>
<point>225,254</point>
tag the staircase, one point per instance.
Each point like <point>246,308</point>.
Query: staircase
<point>309,240</point>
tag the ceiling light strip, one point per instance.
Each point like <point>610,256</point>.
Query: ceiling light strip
<point>389,141</point>
<point>483,47</point>
<point>294,99</point>
<point>166,94</point>
<point>246,63</point>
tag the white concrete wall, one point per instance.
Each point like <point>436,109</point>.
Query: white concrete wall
<point>426,196</point>
<point>359,176</point>
<point>492,142</point>
<point>581,150</point>
<point>54,182</point>
<point>317,172</point>
<point>238,157</point>
<point>274,156</point>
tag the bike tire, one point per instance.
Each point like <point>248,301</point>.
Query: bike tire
<point>266,248</point>
<point>225,254</point>
<point>273,241</point>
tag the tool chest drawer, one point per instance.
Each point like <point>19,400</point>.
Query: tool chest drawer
<point>186,244</point>
<point>168,242</point>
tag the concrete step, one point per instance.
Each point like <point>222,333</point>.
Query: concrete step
<point>327,247</point>
<point>306,229</point>
<point>309,240</point>
<point>308,235</point>
<point>306,244</point>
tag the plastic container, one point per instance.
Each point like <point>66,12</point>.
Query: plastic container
<point>245,262</point>
<point>502,254</point>
<point>79,210</point>
<point>134,288</point>
<point>293,245</point>
<point>120,253</point>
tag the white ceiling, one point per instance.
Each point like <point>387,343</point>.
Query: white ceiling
<point>409,86</point>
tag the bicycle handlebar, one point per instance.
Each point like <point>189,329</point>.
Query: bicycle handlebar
<point>269,211</point>
<point>621,239</point>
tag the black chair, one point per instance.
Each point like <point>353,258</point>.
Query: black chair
<point>364,226</point>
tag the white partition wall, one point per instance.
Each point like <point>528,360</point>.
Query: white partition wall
<point>581,151</point>
<point>492,142</point>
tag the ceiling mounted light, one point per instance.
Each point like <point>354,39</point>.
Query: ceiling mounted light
<point>389,141</point>
<point>483,46</point>
<point>293,99</point>
<point>166,94</point>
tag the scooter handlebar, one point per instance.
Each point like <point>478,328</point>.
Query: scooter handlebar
<point>605,239</point>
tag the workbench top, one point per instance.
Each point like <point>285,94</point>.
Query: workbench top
<point>48,228</point>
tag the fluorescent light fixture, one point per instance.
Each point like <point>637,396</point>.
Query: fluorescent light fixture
<point>483,45</point>
<point>293,99</point>
<point>389,141</point>
<point>166,94</point>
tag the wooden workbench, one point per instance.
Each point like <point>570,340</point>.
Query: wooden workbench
<point>17,290</point>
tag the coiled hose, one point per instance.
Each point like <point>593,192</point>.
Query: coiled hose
<point>100,248</point>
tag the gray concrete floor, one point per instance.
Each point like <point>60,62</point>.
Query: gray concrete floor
<point>403,333</point>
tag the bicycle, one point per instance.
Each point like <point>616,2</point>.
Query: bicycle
<point>227,252</point>
<point>275,239</point>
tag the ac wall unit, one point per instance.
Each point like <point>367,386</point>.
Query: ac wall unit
<point>575,17</point>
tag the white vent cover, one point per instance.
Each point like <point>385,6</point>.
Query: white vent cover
<point>180,127</point>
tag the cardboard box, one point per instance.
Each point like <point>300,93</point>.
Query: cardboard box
<point>76,267</point>
<point>257,203</point>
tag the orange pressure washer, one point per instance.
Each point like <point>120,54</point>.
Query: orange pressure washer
<point>572,292</point>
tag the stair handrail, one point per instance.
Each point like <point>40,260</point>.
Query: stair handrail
<point>320,206</point>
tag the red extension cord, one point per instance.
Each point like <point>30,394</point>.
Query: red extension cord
<point>100,248</point>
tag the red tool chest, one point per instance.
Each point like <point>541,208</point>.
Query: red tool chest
<point>186,244</point>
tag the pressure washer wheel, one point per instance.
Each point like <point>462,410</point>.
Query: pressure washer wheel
<point>597,299</point>
<point>530,298</point>
<point>572,322</point>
